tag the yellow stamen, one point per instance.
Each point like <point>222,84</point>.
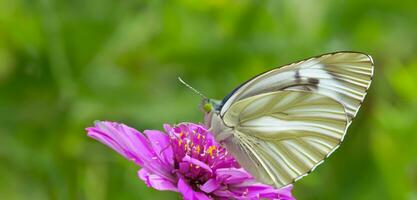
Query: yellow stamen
<point>211,149</point>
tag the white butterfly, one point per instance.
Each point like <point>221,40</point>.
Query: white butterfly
<point>283,123</point>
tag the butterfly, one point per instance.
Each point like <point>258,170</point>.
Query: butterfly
<point>281,124</point>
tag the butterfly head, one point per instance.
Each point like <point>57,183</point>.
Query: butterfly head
<point>206,106</point>
<point>209,105</point>
<point>211,109</point>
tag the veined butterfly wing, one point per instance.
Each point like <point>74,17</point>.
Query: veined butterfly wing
<point>281,136</point>
<point>343,76</point>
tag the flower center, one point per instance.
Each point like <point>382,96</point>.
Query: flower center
<point>197,155</point>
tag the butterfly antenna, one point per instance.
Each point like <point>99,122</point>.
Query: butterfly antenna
<point>191,88</point>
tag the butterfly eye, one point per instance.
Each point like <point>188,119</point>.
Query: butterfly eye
<point>207,107</point>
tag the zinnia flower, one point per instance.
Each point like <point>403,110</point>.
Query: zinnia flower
<point>185,159</point>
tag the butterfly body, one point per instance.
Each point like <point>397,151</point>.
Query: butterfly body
<point>220,131</point>
<point>283,123</point>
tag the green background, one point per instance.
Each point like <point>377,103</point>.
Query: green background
<point>64,64</point>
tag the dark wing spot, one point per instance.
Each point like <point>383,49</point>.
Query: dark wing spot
<point>313,81</point>
<point>297,75</point>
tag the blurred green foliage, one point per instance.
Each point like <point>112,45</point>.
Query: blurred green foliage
<point>64,64</point>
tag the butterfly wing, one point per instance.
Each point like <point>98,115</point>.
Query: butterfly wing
<point>281,136</point>
<point>343,76</point>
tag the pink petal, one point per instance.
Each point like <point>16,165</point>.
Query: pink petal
<point>125,140</point>
<point>258,190</point>
<point>188,192</point>
<point>184,167</point>
<point>161,145</point>
<point>96,134</point>
<point>285,193</point>
<point>130,143</point>
<point>224,193</point>
<point>210,186</point>
<point>196,162</point>
<point>201,196</point>
<point>155,181</point>
<point>232,175</point>
<point>143,175</point>
<point>168,129</point>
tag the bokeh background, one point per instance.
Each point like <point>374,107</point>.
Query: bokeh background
<point>64,64</point>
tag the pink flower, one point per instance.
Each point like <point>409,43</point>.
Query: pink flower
<point>185,159</point>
